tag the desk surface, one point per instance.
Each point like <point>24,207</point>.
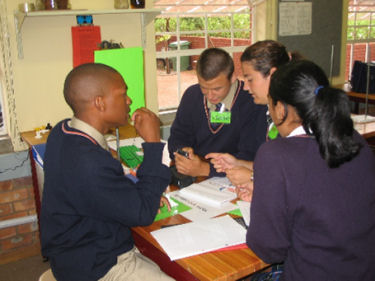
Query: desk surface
<point>367,130</point>
<point>219,265</point>
<point>127,131</point>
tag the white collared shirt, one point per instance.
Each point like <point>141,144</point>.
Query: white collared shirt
<point>89,130</point>
<point>297,131</point>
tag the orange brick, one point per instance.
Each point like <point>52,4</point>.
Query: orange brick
<point>24,205</point>
<point>5,209</point>
<point>14,195</point>
<point>6,185</point>
<point>31,212</point>
<point>15,215</point>
<point>22,182</point>
<point>8,232</point>
<point>26,228</point>
<point>16,241</point>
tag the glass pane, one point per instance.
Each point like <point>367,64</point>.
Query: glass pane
<point>362,33</point>
<point>167,84</point>
<point>215,40</point>
<point>191,24</point>
<point>165,24</point>
<point>372,33</point>
<point>219,22</point>
<point>168,94</point>
<point>241,21</point>
<point>351,33</point>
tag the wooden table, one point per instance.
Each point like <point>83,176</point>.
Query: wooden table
<point>367,130</point>
<point>356,97</point>
<point>218,265</point>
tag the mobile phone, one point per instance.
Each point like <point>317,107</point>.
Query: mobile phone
<point>183,153</point>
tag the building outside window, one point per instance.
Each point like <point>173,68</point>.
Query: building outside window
<point>184,29</point>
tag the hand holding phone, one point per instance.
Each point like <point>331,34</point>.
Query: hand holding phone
<point>183,153</point>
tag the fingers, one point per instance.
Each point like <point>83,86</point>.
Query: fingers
<point>165,202</point>
<point>213,155</point>
<point>147,124</point>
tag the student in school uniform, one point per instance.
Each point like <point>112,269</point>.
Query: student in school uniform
<point>313,206</point>
<point>215,115</point>
<point>88,204</point>
<point>258,62</point>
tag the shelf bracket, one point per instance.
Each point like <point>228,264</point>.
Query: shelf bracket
<point>18,22</point>
<point>143,31</point>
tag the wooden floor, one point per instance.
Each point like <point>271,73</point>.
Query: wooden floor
<point>27,269</point>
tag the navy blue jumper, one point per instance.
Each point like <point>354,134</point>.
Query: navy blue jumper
<point>89,205</point>
<point>241,138</point>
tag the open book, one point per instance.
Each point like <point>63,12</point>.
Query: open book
<point>214,191</point>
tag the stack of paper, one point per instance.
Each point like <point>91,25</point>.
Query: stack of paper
<point>212,192</point>
<point>200,237</point>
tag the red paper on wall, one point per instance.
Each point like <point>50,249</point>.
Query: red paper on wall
<point>86,39</point>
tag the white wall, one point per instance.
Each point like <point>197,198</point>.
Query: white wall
<point>47,47</point>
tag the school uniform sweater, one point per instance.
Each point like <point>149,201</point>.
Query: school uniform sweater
<point>320,221</point>
<point>241,138</point>
<point>88,205</point>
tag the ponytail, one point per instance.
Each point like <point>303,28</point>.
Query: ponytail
<point>332,127</point>
<point>325,111</point>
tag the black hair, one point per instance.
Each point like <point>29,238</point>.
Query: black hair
<point>324,111</point>
<point>79,72</point>
<point>214,61</point>
<point>264,55</point>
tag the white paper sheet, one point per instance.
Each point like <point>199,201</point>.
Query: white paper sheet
<point>245,210</point>
<point>199,237</point>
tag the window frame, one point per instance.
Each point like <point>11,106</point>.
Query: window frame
<point>178,53</point>
<point>358,7</point>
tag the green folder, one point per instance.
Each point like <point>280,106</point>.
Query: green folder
<point>179,208</point>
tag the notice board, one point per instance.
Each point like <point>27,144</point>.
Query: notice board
<point>129,63</point>
<point>313,28</point>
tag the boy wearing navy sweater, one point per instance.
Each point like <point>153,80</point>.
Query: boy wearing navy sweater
<point>89,205</point>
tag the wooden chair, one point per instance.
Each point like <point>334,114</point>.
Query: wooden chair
<point>47,276</point>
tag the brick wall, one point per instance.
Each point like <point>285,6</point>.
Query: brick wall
<point>17,201</point>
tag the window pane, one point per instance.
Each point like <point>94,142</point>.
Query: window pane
<point>185,29</point>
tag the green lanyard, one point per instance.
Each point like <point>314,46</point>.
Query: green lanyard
<point>272,132</point>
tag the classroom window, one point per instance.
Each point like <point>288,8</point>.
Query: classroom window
<point>361,33</point>
<point>184,29</point>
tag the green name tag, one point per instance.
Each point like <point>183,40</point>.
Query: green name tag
<point>221,117</point>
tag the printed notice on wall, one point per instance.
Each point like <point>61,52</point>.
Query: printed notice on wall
<point>295,18</point>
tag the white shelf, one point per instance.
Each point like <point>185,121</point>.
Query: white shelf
<point>147,15</point>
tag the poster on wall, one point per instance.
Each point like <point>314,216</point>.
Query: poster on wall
<point>129,63</point>
<point>295,18</point>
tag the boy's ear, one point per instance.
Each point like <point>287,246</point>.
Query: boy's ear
<point>272,70</point>
<point>99,103</point>
<point>279,110</point>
